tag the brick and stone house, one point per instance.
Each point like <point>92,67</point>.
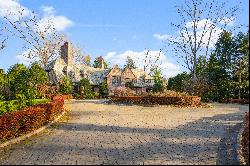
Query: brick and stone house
<point>115,77</point>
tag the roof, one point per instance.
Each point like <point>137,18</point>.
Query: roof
<point>139,73</point>
<point>94,75</point>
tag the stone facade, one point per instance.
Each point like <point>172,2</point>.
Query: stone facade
<point>115,77</point>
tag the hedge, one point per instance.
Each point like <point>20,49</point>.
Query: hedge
<point>177,100</point>
<point>14,124</point>
<point>54,96</point>
<point>239,101</point>
<point>245,139</point>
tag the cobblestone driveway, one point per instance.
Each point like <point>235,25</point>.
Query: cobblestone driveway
<point>99,133</point>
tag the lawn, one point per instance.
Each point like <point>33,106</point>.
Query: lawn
<point>15,105</point>
<point>39,101</point>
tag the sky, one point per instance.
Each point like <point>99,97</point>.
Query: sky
<point>114,29</point>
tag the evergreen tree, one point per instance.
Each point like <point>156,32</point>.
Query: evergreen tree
<point>177,83</point>
<point>158,81</point>
<point>37,75</point>
<point>130,63</point>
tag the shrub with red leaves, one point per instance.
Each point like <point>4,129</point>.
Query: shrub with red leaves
<point>193,101</point>
<point>245,139</point>
<point>239,101</point>
<point>123,91</point>
<point>14,124</point>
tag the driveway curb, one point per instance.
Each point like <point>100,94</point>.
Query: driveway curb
<point>18,139</point>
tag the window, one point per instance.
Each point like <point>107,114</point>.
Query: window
<point>128,80</point>
<point>71,75</point>
<point>115,80</point>
<point>81,73</point>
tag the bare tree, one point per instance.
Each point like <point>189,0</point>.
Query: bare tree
<point>3,35</point>
<point>80,56</point>
<point>201,23</point>
<point>41,40</point>
<point>151,62</point>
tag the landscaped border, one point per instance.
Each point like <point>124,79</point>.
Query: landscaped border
<point>18,139</point>
<point>19,123</point>
<point>239,148</point>
<point>192,101</point>
<point>243,149</point>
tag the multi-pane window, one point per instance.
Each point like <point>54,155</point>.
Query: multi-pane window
<point>115,80</point>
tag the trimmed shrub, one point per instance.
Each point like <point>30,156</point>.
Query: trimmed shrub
<point>167,93</point>
<point>123,91</point>
<point>245,139</point>
<point>239,101</point>
<point>192,101</point>
<point>14,124</point>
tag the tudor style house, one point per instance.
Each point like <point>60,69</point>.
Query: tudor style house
<point>115,77</point>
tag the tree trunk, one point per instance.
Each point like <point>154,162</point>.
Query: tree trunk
<point>239,93</point>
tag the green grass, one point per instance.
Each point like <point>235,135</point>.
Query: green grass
<point>14,105</point>
<point>39,101</point>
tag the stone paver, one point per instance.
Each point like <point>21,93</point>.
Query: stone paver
<point>101,133</point>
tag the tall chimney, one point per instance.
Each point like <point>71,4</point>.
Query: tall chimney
<point>67,53</point>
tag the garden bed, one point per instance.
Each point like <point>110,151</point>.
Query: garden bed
<point>14,124</point>
<point>238,101</point>
<point>245,139</point>
<point>192,101</point>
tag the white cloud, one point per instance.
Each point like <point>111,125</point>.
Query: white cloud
<point>98,25</point>
<point>110,55</point>
<point>48,10</point>
<point>161,37</point>
<point>169,69</point>
<point>60,23</point>
<point>23,58</point>
<point>201,36</point>
<point>12,6</point>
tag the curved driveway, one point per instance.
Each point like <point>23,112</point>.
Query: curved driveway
<point>102,133</point>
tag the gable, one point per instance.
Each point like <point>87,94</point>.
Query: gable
<point>127,73</point>
<point>116,71</point>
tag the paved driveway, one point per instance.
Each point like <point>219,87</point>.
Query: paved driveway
<point>102,133</point>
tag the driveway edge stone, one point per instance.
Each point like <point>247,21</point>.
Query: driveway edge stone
<point>15,140</point>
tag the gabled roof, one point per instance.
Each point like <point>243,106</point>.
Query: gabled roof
<point>127,68</point>
<point>113,69</point>
<point>139,73</point>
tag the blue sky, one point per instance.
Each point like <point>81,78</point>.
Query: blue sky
<point>111,27</point>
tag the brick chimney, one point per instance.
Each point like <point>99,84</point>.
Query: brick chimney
<point>67,53</point>
<point>100,63</point>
